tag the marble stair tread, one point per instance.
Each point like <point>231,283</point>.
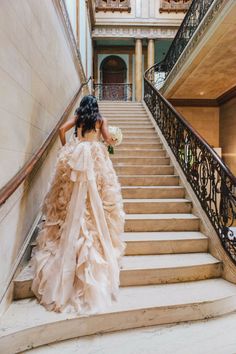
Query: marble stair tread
<point>152,187</point>
<point>157,200</point>
<point>148,180</point>
<point>172,242</point>
<point>147,169</point>
<point>139,160</point>
<point>133,128</point>
<point>153,192</point>
<point>124,152</point>
<point>133,144</point>
<point>167,261</point>
<point>160,216</point>
<point>146,297</point>
<point>176,338</point>
<point>157,205</point>
<point>162,236</point>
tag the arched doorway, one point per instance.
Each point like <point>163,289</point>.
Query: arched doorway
<point>113,76</point>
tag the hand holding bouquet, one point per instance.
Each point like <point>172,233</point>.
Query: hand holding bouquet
<point>116,135</point>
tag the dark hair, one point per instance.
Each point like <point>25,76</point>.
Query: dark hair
<point>87,114</point>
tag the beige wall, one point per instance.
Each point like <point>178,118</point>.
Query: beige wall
<point>228,133</point>
<point>38,79</point>
<point>205,120</point>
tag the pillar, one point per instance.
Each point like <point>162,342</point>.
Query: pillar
<point>138,69</point>
<point>151,52</point>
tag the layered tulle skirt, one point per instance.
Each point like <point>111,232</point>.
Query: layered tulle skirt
<point>76,261</point>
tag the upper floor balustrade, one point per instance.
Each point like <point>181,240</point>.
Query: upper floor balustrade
<point>113,5</point>
<point>174,5</point>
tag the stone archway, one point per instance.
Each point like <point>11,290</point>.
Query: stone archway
<point>113,74</point>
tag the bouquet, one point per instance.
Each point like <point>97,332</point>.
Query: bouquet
<point>116,135</point>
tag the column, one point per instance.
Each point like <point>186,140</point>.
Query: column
<point>138,69</point>
<point>151,52</point>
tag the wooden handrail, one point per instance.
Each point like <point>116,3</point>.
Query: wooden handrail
<point>28,167</point>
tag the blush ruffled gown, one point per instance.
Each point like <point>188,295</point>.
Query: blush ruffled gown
<point>76,261</point>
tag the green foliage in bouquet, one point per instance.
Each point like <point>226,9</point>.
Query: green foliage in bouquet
<point>110,149</point>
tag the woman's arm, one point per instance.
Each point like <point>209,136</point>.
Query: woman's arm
<point>105,133</point>
<point>66,126</point>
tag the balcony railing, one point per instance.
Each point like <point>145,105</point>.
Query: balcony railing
<point>113,92</point>
<point>211,180</point>
<point>174,5</point>
<point>191,22</point>
<point>113,5</point>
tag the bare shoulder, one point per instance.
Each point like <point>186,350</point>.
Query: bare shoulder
<point>102,122</point>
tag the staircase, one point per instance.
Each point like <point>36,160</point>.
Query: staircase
<point>167,274</point>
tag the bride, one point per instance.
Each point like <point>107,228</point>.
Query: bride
<point>76,261</point>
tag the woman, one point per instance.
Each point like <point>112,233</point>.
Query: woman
<point>76,261</point>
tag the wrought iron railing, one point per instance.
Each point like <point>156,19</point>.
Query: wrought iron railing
<point>113,92</point>
<point>192,19</point>
<point>210,178</point>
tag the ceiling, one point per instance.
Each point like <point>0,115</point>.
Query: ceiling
<point>212,69</point>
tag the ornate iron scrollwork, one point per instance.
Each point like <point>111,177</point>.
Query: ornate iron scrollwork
<point>113,92</point>
<point>210,178</point>
<point>191,22</point>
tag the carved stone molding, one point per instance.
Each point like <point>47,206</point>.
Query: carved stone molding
<point>113,5</point>
<point>174,5</point>
<point>133,32</point>
<point>214,11</point>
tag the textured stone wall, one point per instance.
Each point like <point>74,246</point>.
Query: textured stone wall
<point>228,133</point>
<point>38,79</point>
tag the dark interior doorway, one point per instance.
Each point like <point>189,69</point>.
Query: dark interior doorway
<point>113,73</point>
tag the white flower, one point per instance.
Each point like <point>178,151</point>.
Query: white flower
<point>116,134</point>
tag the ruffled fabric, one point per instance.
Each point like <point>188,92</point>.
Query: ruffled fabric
<point>76,262</point>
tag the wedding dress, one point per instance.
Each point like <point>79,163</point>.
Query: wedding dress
<point>76,261</point>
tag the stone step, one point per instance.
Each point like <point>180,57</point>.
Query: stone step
<point>161,222</point>
<point>132,118</point>
<point>140,138</point>
<point>164,337</point>
<point>123,152</point>
<point>153,192</point>
<point>138,122</point>
<point>121,107</point>
<point>164,242</point>
<point>174,268</point>
<point>149,180</point>
<point>157,206</point>
<point>125,112</point>
<point>140,160</point>
<point>138,130</point>
<point>139,145</point>
<point>138,306</point>
<point>144,169</point>
<point>144,270</point>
